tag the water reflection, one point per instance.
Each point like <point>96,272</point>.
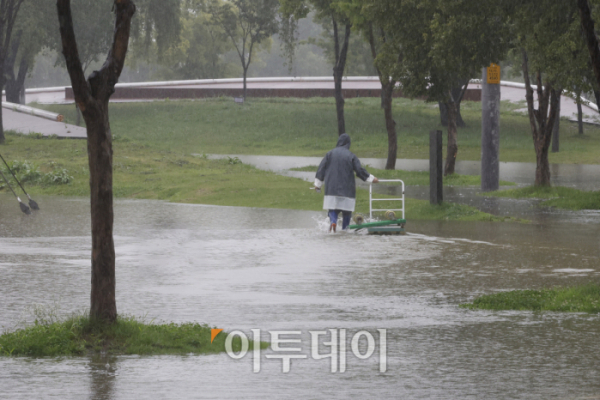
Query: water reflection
<point>103,371</point>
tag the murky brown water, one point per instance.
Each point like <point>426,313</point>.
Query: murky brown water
<point>263,269</point>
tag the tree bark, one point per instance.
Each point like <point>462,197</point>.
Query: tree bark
<point>245,86</point>
<point>458,94</point>
<point>338,72</point>
<point>579,116</point>
<point>2,81</point>
<point>15,87</point>
<point>556,128</point>
<point>452,149</point>
<point>541,121</point>
<point>587,25</point>
<point>387,92</point>
<point>92,96</point>
<point>9,10</point>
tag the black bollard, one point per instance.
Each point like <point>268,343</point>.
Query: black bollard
<point>490,131</point>
<point>436,177</point>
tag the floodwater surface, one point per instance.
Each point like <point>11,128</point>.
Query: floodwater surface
<point>279,270</point>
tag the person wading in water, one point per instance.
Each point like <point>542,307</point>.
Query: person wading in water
<point>337,172</point>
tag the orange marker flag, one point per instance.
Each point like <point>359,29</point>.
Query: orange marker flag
<point>214,333</point>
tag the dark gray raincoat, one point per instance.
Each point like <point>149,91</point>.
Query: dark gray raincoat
<point>337,171</point>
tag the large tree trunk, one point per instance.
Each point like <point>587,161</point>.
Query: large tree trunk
<point>338,72</point>
<point>103,302</point>
<point>390,124</point>
<point>92,98</point>
<point>452,149</point>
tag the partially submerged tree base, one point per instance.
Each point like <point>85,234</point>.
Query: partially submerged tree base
<point>81,335</point>
<point>92,96</point>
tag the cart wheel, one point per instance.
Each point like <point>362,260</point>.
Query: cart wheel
<point>390,215</point>
<point>359,219</point>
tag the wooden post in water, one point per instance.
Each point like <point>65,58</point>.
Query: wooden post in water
<point>436,175</point>
<point>490,128</point>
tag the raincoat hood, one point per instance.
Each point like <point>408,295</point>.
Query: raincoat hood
<point>344,141</point>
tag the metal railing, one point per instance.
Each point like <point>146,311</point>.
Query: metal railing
<point>371,199</point>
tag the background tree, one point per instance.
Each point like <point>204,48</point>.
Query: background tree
<point>92,96</point>
<point>247,23</point>
<point>549,36</point>
<point>9,10</point>
<point>328,11</point>
<point>157,28</point>
<point>199,51</point>
<point>591,40</point>
<point>386,55</point>
<point>30,36</point>
<point>443,44</point>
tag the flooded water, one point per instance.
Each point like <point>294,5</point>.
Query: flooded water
<point>273,270</point>
<point>579,176</point>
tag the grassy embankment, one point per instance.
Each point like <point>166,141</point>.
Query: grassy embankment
<point>144,172</point>
<point>582,298</point>
<point>80,335</point>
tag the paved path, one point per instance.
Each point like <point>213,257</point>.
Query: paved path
<point>26,124</point>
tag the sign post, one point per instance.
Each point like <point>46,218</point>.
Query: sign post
<point>490,128</point>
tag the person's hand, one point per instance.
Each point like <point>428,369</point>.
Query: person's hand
<point>317,189</point>
<point>375,180</point>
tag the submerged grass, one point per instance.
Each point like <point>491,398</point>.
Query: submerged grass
<point>80,335</point>
<point>308,127</point>
<point>417,178</point>
<point>583,298</point>
<point>143,172</point>
<point>555,196</point>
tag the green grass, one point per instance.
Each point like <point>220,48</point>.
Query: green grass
<point>143,172</point>
<point>555,196</point>
<point>417,178</point>
<point>308,127</point>
<point>80,335</point>
<point>583,298</point>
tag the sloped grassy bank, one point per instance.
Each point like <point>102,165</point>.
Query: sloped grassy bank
<point>80,335</point>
